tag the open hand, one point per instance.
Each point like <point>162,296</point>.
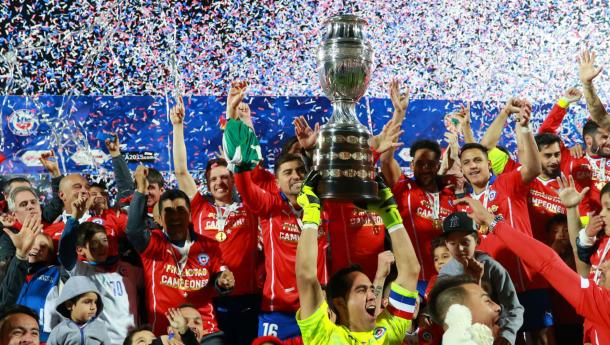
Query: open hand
<point>400,101</point>
<point>388,138</point>
<point>586,68</point>
<point>24,239</point>
<point>306,136</point>
<point>567,191</point>
<point>176,320</point>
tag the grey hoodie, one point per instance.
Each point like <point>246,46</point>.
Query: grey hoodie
<point>70,333</point>
<point>502,292</point>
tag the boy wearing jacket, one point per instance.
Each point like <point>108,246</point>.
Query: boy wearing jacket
<point>80,303</point>
<point>461,238</point>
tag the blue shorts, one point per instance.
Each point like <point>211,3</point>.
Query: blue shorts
<point>538,312</point>
<point>278,324</point>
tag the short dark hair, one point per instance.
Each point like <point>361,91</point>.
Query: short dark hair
<point>447,292</point>
<point>285,158</point>
<point>18,309</point>
<point>339,285</point>
<point>100,185</point>
<point>473,146</point>
<point>213,163</point>
<point>154,176</point>
<point>288,144</point>
<point>546,139</point>
<point>86,231</point>
<point>7,184</point>
<point>559,218</point>
<point>173,194</point>
<point>437,242</point>
<point>590,128</point>
<point>132,332</point>
<point>425,144</point>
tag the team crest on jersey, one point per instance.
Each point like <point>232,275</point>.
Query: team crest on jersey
<point>492,195</point>
<point>379,332</point>
<point>203,259</point>
<point>23,123</point>
<point>98,221</point>
<point>608,163</point>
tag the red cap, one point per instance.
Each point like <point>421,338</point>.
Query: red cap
<point>271,339</point>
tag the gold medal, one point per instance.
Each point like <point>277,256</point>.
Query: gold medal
<point>437,223</point>
<point>221,236</point>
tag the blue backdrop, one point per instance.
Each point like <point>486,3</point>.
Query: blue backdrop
<point>74,127</point>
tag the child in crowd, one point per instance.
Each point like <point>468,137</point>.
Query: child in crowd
<point>80,303</point>
<point>441,255</point>
<point>461,238</point>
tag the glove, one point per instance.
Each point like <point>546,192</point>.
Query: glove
<point>385,206</point>
<point>308,199</point>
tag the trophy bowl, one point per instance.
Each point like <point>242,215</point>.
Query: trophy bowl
<point>343,155</point>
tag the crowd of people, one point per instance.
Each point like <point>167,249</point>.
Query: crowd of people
<point>479,246</point>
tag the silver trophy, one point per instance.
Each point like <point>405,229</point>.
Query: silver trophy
<point>343,155</point>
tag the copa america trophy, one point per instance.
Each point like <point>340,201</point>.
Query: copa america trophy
<point>343,155</point>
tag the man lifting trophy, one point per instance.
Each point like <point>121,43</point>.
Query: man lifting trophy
<point>343,155</point>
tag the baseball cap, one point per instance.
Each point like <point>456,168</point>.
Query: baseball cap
<point>458,221</point>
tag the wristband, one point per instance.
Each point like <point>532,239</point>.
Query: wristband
<point>563,102</point>
<point>525,130</point>
<point>395,227</point>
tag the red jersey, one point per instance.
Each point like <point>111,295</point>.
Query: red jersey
<point>171,282</point>
<point>507,195</point>
<point>356,236</point>
<point>588,299</point>
<point>422,215</point>
<point>281,229</point>
<point>588,171</point>
<point>544,203</point>
<point>236,232</point>
<point>264,179</point>
<point>115,223</point>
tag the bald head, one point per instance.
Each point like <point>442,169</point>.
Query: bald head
<point>71,187</point>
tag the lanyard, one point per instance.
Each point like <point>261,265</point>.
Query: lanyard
<point>222,215</point>
<point>485,195</point>
<point>601,169</point>
<point>435,200</point>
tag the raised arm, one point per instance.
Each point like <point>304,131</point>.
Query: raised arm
<point>589,301</point>
<point>122,175</point>
<point>67,242</point>
<point>310,291</point>
<point>400,102</point>
<point>587,72</point>
<point>407,264</point>
<point>465,124</point>
<point>494,131</point>
<point>55,207</point>
<point>17,270</point>
<point>186,183</point>
<point>136,231</point>
<point>530,157</point>
<point>571,199</point>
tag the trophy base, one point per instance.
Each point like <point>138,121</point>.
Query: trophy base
<point>345,161</point>
<point>347,189</point>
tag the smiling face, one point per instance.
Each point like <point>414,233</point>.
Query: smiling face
<point>476,167</point>
<point>220,183</point>
<point>41,250</point>
<point>20,329</point>
<point>461,245</point>
<point>98,199</point>
<point>290,177</point>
